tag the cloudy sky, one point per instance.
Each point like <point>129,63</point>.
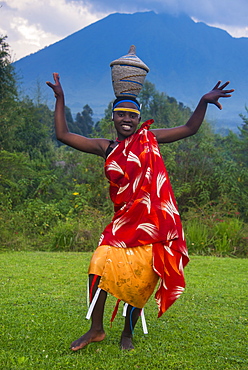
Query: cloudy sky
<point>33,24</point>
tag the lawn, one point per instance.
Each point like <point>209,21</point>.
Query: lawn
<point>43,307</point>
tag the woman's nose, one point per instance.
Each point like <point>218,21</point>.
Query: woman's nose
<point>127,117</point>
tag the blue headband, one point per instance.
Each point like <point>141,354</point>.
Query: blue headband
<point>126,100</point>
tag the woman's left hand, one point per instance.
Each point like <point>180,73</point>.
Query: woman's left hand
<point>217,92</point>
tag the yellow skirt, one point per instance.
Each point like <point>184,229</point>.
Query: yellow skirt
<point>126,273</point>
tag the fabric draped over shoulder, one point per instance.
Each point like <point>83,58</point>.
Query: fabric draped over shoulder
<point>146,211</point>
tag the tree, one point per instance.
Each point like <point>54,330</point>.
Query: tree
<point>165,110</point>
<point>84,121</point>
<point>244,133</point>
<point>15,173</point>
<point>33,132</point>
<point>8,89</point>
<point>8,97</point>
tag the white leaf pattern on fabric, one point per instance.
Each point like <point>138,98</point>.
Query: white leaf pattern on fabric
<point>172,235</point>
<point>164,285</point>
<point>155,150</point>
<point>133,158</point>
<point>118,244</point>
<point>122,188</point>
<point>167,248</point>
<point>170,208</point>
<point>117,224</point>
<point>113,166</point>
<point>148,228</point>
<point>136,182</point>
<point>184,250</point>
<point>144,132</point>
<point>177,292</point>
<point>183,236</point>
<point>147,201</point>
<point>160,181</point>
<point>148,174</point>
<point>181,266</point>
<point>127,141</point>
<point>101,239</point>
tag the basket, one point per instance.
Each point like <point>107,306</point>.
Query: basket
<point>128,74</point>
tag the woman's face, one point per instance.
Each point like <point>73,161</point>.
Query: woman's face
<point>126,122</point>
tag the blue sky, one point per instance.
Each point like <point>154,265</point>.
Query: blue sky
<point>33,24</point>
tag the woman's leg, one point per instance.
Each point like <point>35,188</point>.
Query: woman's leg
<point>96,332</point>
<point>132,316</point>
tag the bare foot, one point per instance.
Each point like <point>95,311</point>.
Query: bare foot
<point>126,342</point>
<point>87,338</point>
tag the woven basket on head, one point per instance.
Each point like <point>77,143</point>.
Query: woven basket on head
<point>128,74</point>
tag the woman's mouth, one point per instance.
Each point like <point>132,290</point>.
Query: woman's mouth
<point>126,127</point>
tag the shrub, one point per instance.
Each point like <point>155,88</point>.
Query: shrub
<point>216,229</point>
<point>197,236</point>
<point>228,236</point>
<point>78,234</point>
<point>12,234</point>
<point>40,216</point>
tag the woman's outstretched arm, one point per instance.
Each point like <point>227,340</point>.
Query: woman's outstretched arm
<point>82,143</point>
<point>167,135</point>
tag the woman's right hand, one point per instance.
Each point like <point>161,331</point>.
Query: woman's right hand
<point>57,88</point>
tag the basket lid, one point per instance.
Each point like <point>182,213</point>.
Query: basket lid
<point>130,59</point>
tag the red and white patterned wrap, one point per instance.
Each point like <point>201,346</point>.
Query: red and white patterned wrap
<point>146,211</point>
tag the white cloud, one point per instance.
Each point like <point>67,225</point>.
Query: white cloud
<point>29,37</point>
<point>234,30</point>
<point>226,12</point>
<point>33,24</point>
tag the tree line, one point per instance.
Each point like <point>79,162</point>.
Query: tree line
<point>55,198</point>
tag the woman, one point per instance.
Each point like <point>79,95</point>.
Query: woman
<point>145,241</point>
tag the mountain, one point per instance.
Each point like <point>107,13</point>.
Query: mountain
<point>185,58</point>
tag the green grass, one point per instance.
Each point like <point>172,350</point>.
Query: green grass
<point>43,308</point>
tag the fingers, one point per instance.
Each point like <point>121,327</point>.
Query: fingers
<point>56,77</point>
<point>229,91</point>
<point>224,85</point>
<point>218,105</point>
<point>49,84</point>
<point>56,80</point>
<point>226,94</point>
<point>217,85</point>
